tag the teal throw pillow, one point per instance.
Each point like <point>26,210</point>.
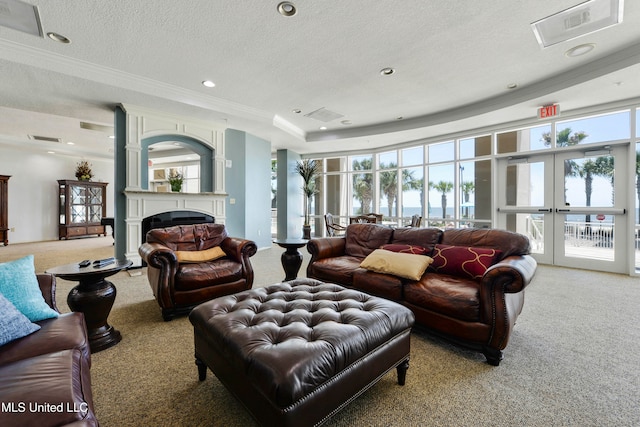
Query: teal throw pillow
<point>13,324</point>
<point>18,283</point>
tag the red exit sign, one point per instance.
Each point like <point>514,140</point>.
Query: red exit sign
<point>549,111</point>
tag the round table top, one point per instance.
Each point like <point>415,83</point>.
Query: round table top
<point>296,243</point>
<point>75,272</point>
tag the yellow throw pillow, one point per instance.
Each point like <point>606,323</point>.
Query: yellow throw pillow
<point>409,266</point>
<point>200,256</point>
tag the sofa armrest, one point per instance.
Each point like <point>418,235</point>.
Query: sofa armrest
<point>239,249</point>
<point>157,255</point>
<point>326,247</point>
<point>47,284</point>
<point>514,273</point>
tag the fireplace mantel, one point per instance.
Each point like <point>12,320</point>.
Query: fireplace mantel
<point>141,204</point>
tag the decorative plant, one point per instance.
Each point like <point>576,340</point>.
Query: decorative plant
<point>83,171</point>
<point>308,170</point>
<point>175,180</point>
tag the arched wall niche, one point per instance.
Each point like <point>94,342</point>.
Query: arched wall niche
<point>206,153</point>
<point>138,128</point>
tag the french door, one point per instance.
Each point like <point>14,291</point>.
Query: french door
<point>569,204</point>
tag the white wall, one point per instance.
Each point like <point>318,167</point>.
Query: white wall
<point>33,190</point>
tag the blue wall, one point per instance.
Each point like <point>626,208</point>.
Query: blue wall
<point>248,183</point>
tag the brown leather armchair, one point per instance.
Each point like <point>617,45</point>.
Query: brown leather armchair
<point>178,286</point>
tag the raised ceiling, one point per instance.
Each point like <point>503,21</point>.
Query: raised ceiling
<point>453,63</point>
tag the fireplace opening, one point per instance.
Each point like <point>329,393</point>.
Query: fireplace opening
<point>169,219</point>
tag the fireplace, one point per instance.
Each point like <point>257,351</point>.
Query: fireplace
<point>147,209</point>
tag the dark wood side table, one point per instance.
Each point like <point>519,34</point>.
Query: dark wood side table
<point>93,296</point>
<point>291,258</point>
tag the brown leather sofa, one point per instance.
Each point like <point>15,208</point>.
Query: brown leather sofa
<point>476,311</point>
<point>48,367</point>
<point>179,284</point>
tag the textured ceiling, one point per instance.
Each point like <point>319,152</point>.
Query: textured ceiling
<point>453,62</point>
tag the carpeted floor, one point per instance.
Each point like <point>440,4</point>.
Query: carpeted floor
<point>573,359</point>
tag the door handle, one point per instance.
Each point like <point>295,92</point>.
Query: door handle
<point>563,210</point>
<point>545,210</point>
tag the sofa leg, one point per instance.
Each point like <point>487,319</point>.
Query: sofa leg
<point>402,371</point>
<point>167,315</point>
<point>493,356</point>
<point>202,370</point>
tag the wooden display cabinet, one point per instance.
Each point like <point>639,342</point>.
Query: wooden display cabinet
<point>4,209</point>
<point>82,206</point>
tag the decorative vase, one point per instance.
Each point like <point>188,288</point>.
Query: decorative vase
<point>306,232</point>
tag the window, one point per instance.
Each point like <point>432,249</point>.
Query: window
<point>608,127</point>
<point>475,147</point>
<point>528,139</point>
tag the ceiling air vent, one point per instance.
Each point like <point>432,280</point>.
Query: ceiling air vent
<point>95,126</point>
<point>323,115</point>
<point>45,138</point>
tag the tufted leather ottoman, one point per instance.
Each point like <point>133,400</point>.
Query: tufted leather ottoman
<point>295,353</point>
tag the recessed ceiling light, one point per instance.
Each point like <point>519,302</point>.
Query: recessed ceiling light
<point>58,38</point>
<point>387,71</point>
<point>287,8</point>
<point>512,85</point>
<point>400,118</point>
<point>208,83</point>
<point>297,111</point>
<point>51,152</point>
<point>346,122</point>
<point>579,50</point>
<point>112,137</point>
<point>71,143</point>
<point>323,128</point>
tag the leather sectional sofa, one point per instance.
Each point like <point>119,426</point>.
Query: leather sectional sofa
<point>472,292</point>
<point>44,376</point>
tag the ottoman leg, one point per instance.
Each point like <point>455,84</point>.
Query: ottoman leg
<point>402,371</point>
<point>202,369</point>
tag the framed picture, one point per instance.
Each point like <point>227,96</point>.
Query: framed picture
<point>159,174</point>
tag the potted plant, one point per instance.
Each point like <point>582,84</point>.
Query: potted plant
<point>308,170</point>
<point>83,171</point>
<point>175,180</point>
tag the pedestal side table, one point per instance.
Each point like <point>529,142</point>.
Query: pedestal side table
<point>291,258</point>
<point>93,296</point>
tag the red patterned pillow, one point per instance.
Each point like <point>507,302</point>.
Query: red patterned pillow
<point>405,249</point>
<point>466,261</point>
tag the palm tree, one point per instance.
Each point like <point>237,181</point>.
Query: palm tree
<point>565,139</point>
<point>467,188</point>
<point>442,187</point>
<point>362,184</point>
<point>389,184</point>
<point>308,170</point>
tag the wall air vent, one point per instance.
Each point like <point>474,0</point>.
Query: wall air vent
<point>45,138</point>
<point>323,115</point>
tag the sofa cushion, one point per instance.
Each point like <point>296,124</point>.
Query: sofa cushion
<point>19,284</point>
<point>200,256</point>
<point>508,242</point>
<point>425,237</point>
<point>362,239</point>
<point>67,331</point>
<point>406,249</point>
<point>194,237</point>
<point>13,324</point>
<point>192,276</point>
<point>378,284</point>
<point>335,270</point>
<point>452,296</point>
<point>58,379</point>
<point>409,266</point>
<point>463,261</point>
